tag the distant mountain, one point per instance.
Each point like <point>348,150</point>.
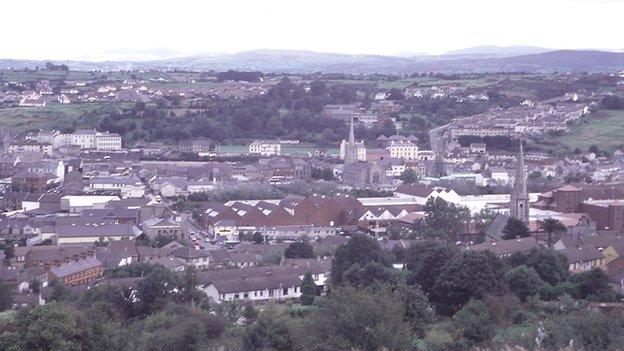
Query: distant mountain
<point>498,51</point>
<point>292,61</point>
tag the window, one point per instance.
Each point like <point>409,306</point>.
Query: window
<point>285,291</point>
<point>245,295</point>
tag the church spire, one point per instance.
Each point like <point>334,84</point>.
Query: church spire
<point>351,133</point>
<point>519,204</point>
<point>521,171</point>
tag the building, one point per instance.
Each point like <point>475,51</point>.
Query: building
<point>107,141</point>
<point>30,148</point>
<point>265,148</point>
<point>75,271</point>
<point>200,147</point>
<point>363,174</point>
<point>519,202</point>
<point>403,149</point>
<point>94,232</point>
<point>350,150</point>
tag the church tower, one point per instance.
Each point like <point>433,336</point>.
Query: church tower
<point>519,203</point>
<point>351,148</point>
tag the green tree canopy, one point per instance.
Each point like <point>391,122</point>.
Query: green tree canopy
<point>360,249</point>
<point>515,228</point>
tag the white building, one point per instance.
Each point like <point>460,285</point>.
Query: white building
<point>265,148</point>
<point>403,149</point>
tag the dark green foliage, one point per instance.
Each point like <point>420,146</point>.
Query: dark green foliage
<point>299,249</point>
<point>360,249</point>
<point>593,284</point>
<point>523,281</point>
<point>137,269</point>
<point>257,238</point>
<point>308,290</point>
<point>612,102</point>
<point>409,176</point>
<point>159,286</point>
<point>446,219</point>
<point>359,319</point>
<point>426,261</point>
<point>272,331</point>
<point>6,295</point>
<point>176,328</point>
<point>586,331</point>
<point>515,228</point>
<point>552,266</point>
<point>472,275</point>
<point>369,273</point>
<point>475,322</point>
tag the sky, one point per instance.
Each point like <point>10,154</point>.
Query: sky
<point>100,30</point>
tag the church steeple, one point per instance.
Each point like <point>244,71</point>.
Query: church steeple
<point>519,202</point>
<point>351,133</point>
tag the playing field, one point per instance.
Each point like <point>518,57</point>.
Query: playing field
<point>603,128</point>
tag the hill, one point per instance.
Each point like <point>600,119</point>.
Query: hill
<point>289,61</point>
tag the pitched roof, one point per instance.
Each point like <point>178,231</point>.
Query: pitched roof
<point>583,253</point>
<point>505,247</point>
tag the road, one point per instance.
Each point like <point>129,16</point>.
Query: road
<point>436,140</point>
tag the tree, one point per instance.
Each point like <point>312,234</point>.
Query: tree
<point>156,289</point>
<point>409,176</point>
<point>370,273</point>
<point>299,249</point>
<point>360,249</point>
<point>425,262</point>
<point>523,281</point>
<point>593,284</point>
<point>308,289</point>
<point>6,295</point>
<point>515,228</point>
<point>473,275</point>
<point>257,238</point>
<point>395,94</point>
<point>552,227</point>
<point>53,327</point>
<point>446,217</point>
<point>172,329</point>
<point>359,319</point>
<point>272,331</point>
<point>189,291</point>
<point>418,312</point>
<point>552,266</point>
<point>475,322</point>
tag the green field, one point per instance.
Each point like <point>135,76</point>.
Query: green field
<point>603,128</point>
<point>56,116</point>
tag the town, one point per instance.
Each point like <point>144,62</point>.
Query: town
<point>286,176</point>
<point>100,204</point>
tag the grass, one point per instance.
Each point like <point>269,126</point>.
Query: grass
<point>603,128</point>
<point>56,116</point>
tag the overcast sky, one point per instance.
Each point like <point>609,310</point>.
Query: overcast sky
<point>67,29</point>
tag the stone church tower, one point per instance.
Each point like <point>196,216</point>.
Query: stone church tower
<point>351,148</point>
<point>519,203</point>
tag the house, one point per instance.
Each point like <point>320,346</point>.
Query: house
<point>266,283</point>
<point>79,270</point>
<point>584,258</point>
<point>168,227</point>
<point>94,232</point>
<point>504,248</point>
<point>200,259</point>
